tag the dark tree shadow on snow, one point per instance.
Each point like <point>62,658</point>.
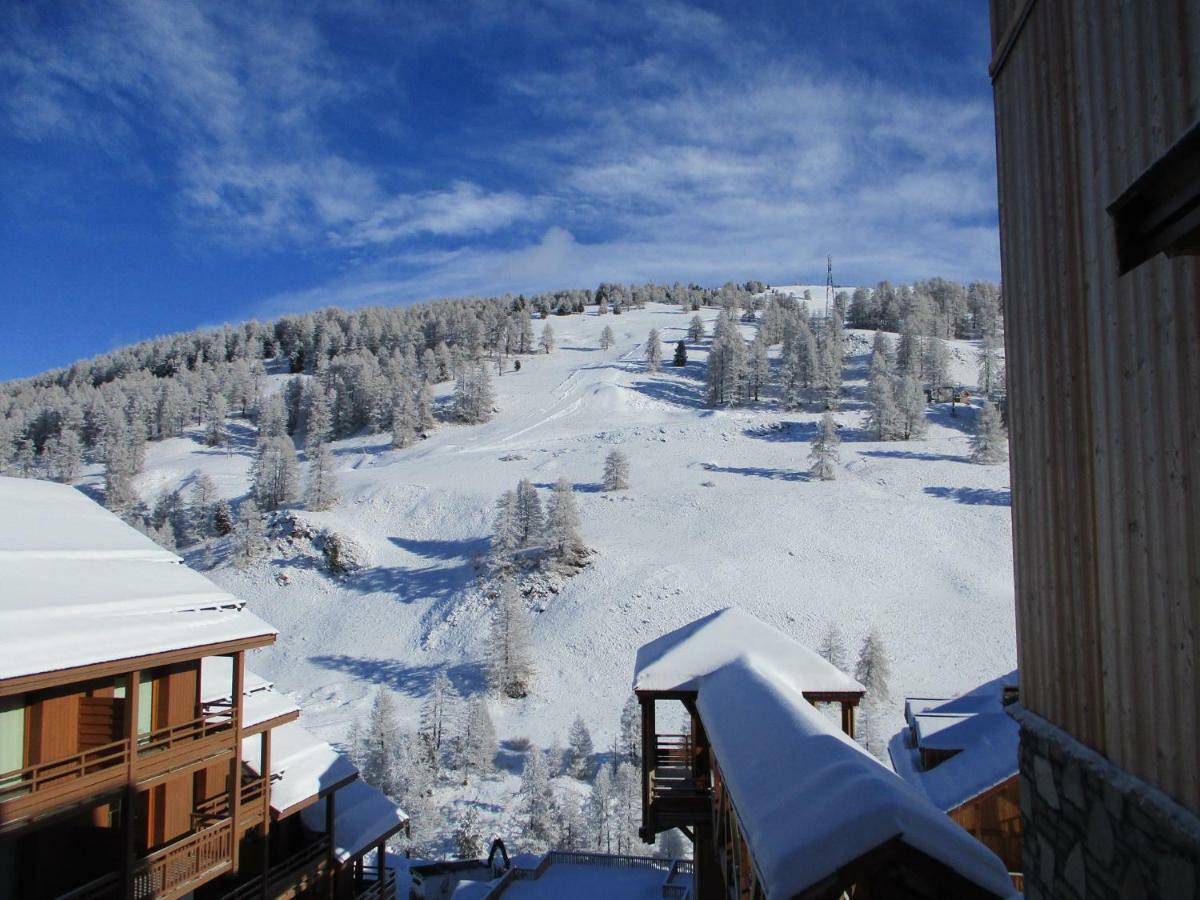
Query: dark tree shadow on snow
<point>783,431</point>
<point>241,440</point>
<point>412,584</point>
<point>677,393</point>
<point>416,681</point>
<point>758,472</point>
<point>913,454</point>
<point>973,496</point>
<point>580,487</point>
<point>464,549</point>
<point>963,421</point>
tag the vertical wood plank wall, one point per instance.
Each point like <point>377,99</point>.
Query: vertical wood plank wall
<point>1103,380</point>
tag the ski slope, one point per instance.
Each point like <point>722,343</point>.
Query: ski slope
<point>911,538</point>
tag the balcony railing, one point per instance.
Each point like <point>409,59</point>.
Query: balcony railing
<point>250,811</point>
<point>376,887</point>
<point>678,796</point>
<point>184,864</point>
<point>47,776</point>
<point>294,875</point>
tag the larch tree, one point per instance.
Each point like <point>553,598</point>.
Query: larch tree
<point>680,359</point>
<point>274,474</point>
<point>570,823</point>
<point>249,542</point>
<point>468,841</point>
<point>833,647</point>
<point>563,540</point>
<point>537,799</point>
<point>474,397</point>
<point>936,364</point>
<point>616,471</point>
<point>531,523</point>
<point>758,366</point>
<point>320,491</point>
<point>510,660</point>
<point>524,332</point>
<point>989,364</point>
<point>600,810</point>
<point>579,750</point>
<point>318,418</point>
<point>546,342</point>
<point>627,814</point>
<point>910,406</point>
<point>653,351</point>
<point>695,332</point>
<point>215,434</point>
<point>824,452</point>
<point>476,746</point>
<point>873,671</point>
<point>989,447</point>
<point>201,506</point>
<point>437,718</point>
<point>404,420</point>
<point>222,518</point>
<point>607,338</point>
<point>381,743</point>
<point>629,732</point>
<point>506,532</point>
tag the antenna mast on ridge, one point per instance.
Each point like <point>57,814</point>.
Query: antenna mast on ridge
<point>828,283</point>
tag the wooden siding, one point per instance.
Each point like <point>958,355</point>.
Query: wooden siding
<point>994,819</point>
<point>1103,380</point>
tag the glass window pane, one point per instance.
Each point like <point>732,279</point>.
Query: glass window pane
<point>12,736</point>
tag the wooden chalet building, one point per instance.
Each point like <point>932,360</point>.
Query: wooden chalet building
<point>139,758</point>
<point>961,753</point>
<point>1098,149</point>
<point>778,800</point>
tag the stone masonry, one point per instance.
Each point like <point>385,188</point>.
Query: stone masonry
<point>1092,830</point>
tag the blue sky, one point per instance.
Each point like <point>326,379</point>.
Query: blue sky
<point>166,165</point>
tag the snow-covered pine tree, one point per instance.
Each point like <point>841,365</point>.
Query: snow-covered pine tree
<point>537,800</point>
<point>680,359</point>
<point>506,532</point>
<point>833,647</point>
<point>600,811</point>
<point>629,732</point>
<point>119,468</point>
<point>202,506</point>
<point>563,540</point>
<point>607,338</point>
<point>215,434</point>
<point>404,425</point>
<point>936,364</point>
<point>873,672</point>
<point>381,744</point>
<point>474,397</point>
<point>439,713</point>
<point>546,341</point>
<point>222,518</point>
<point>318,417</point>
<point>670,844</point>
<point>320,491</point>
<point>468,842</point>
<point>531,523</point>
<point>570,823</point>
<point>510,660</point>
<point>627,797</point>
<point>758,366</point>
<point>271,417</point>
<point>578,761</point>
<point>424,407</point>
<point>910,405</point>
<point>273,473</point>
<point>616,471</point>
<point>653,350</point>
<point>824,453</point>
<point>249,542</point>
<point>695,332</point>
<point>524,332</point>
<point>989,364</point>
<point>988,443</point>
<point>476,745</point>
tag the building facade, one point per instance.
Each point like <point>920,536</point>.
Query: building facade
<point>1098,147</point>
<point>139,758</point>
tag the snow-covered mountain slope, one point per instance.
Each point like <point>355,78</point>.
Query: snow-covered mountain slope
<point>911,538</point>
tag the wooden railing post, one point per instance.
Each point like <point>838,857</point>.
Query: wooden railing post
<point>648,763</point>
<point>264,768</point>
<point>235,765</point>
<point>329,820</point>
<point>132,692</point>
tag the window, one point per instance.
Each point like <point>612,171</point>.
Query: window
<point>12,737</point>
<point>145,709</point>
<point>1160,212</point>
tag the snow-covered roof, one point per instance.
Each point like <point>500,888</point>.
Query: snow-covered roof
<point>362,815</point>
<point>986,738</point>
<point>260,701</point>
<point>808,798</point>
<point>678,661</point>
<point>302,765</point>
<point>82,587</point>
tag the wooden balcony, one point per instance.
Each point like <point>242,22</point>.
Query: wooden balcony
<point>183,865</point>
<point>83,777</point>
<point>377,887</point>
<point>679,797</point>
<point>250,805</point>
<point>292,877</point>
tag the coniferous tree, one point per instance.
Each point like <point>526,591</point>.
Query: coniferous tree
<point>833,647</point>
<point>506,531</point>
<point>537,800</point>
<point>524,332</point>
<point>404,425</point>
<point>424,407</point>
<point>510,661</point>
<point>563,540</point>
<point>474,398</point>
<point>321,490</point>
<point>215,434</point>
<point>273,473</point>
<point>531,523</point>
<point>318,417</point>
<point>438,714</point>
<point>627,796</point>
<point>873,672</point>
<point>629,732</point>
<point>222,518</point>
<point>824,453</point>
<point>468,842</point>
<point>616,471</point>
<point>600,812</point>
<point>989,364</point>
<point>546,342</point>
<point>579,750</point>
<point>570,823</point>
<point>381,747</point>
<point>681,358</point>
<point>695,332</point>
<point>910,405</point>
<point>936,364</point>
<point>988,443</point>
<point>249,542</point>
<point>476,746</point>
<point>119,469</point>
<point>202,506</point>
<point>758,366</point>
<point>653,351</point>
<point>607,338</point>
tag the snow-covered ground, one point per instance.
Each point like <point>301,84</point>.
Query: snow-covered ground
<point>911,539</point>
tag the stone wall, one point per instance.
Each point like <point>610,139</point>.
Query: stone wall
<point>1091,830</point>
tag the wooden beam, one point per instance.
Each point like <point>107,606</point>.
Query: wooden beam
<point>111,668</point>
<point>239,682</point>
<point>130,800</point>
<point>330,818</point>
<point>264,768</point>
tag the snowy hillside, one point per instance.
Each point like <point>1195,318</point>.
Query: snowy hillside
<point>911,538</point>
